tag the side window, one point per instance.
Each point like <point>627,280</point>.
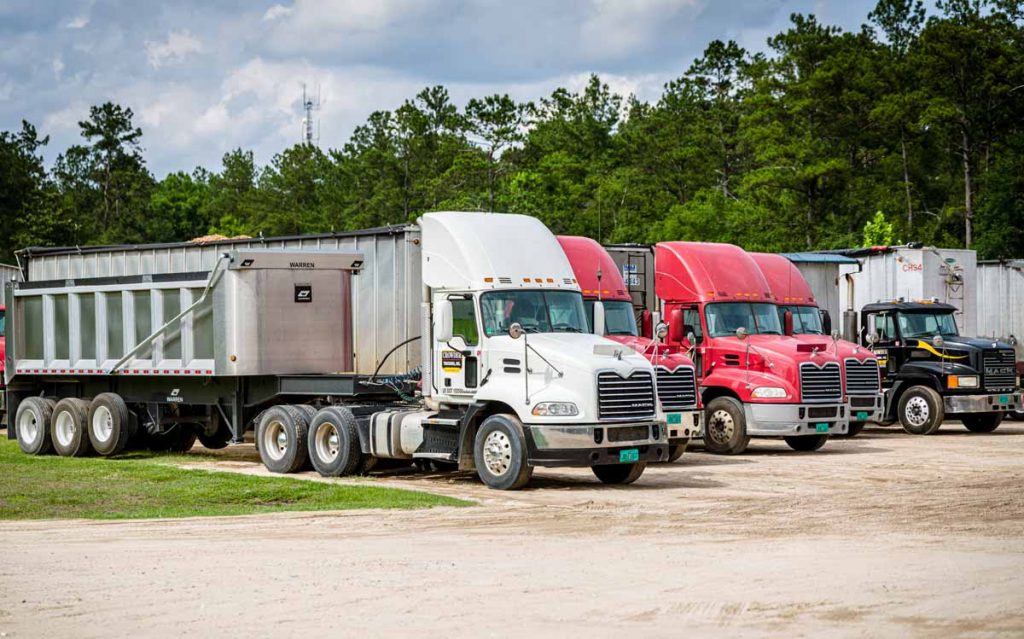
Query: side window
<point>691,323</point>
<point>882,326</point>
<point>464,320</point>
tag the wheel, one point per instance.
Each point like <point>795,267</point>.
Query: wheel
<point>725,427</point>
<point>675,452</point>
<point>921,411</point>
<point>70,428</point>
<point>806,442</point>
<point>982,422</point>
<point>619,473</point>
<point>110,424</point>
<point>333,442</point>
<point>499,451</point>
<point>281,439</point>
<point>217,440</point>
<point>854,429</point>
<point>180,438</point>
<point>1016,415</point>
<point>33,425</point>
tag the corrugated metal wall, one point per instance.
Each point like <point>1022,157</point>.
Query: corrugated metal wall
<point>1000,302</point>
<point>7,274</point>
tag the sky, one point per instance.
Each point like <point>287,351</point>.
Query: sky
<point>206,76</point>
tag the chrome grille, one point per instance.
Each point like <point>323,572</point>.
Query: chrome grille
<point>861,377</point>
<point>625,398</point>
<point>823,384</point>
<point>677,389</point>
<point>1000,369</point>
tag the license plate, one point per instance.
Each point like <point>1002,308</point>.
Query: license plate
<point>629,455</point>
<point>674,418</point>
<point>1004,399</point>
<point>821,428</point>
<point>862,416</point>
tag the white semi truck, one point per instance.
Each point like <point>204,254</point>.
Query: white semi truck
<point>461,339</point>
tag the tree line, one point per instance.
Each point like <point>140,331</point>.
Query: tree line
<point>908,129</point>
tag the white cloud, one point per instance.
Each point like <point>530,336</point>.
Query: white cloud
<point>79,22</point>
<point>178,46</point>
<point>277,11</point>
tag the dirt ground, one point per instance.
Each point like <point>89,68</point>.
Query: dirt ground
<point>881,535</point>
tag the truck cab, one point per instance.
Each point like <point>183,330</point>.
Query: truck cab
<point>610,313</point>
<point>930,371</point>
<point>805,321</point>
<point>754,380</point>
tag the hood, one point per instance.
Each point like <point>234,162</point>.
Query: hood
<point>842,349</point>
<point>584,350</point>
<point>662,355</point>
<point>791,349</point>
<point>966,343</point>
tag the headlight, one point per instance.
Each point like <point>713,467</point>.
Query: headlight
<point>962,381</point>
<point>769,392</point>
<point>555,409</point>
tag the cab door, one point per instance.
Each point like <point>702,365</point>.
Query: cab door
<point>457,367</point>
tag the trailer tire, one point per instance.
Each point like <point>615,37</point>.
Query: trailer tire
<point>70,428</point>
<point>110,424</point>
<point>217,440</point>
<point>921,411</point>
<point>281,439</point>
<point>725,427</point>
<point>853,430</point>
<point>621,474</point>
<point>675,451</point>
<point>806,443</point>
<point>499,451</point>
<point>179,439</point>
<point>333,442</point>
<point>32,423</point>
<point>982,422</point>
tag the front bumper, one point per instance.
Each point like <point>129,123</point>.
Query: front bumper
<point>590,444</point>
<point>684,425</point>
<point>786,420</point>
<point>996,402</point>
<point>866,408</point>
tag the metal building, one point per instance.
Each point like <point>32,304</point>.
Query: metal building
<point>8,273</point>
<point>823,273</point>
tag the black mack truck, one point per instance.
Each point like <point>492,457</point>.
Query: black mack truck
<point>931,372</point>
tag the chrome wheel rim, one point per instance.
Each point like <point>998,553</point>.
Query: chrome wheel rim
<point>497,453</point>
<point>721,426</point>
<point>102,424</point>
<point>275,440</point>
<point>327,442</point>
<point>64,428</point>
<point>917,411</point>
<point>28,426</point>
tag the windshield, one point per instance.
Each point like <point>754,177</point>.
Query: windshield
<point>926,324</point>
<point>618,317</point>
<point>723,319</point>
<point>2,324</point>
<point>536,311</point>
<point>806,319</point>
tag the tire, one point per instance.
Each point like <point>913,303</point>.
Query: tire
<point>179,439</point>
<point>110,424</point>
<point>806,443</point>
<point>675,452</point>
<point>333,442</point>
<point>921,411</point>
<point>725,427</point>
<point>70,428</point>
<point>853,430</point>
<point>619,473</point>
<point>499,451</point>
<point>982,422</point>
<point>32,425</point>
<point>216,441</point>
<point>281,439</point>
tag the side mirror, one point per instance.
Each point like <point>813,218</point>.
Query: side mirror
<point>691,337</point>
<point>515,331</point>
<point>742,333</point>
<point>826,322</point>
<point>938,342</point>
<point>599,325</point>
<point>787,322</point>
<point>443,321</point>
<point>835,335</point>
<point>675,326</point>
<point>872,339</point>
<point>661,332</point>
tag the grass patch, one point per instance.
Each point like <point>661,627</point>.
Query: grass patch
<point>145,486</point>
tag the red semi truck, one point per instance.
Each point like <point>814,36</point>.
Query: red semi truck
<point>755,381</point>
<point>803,319</point>
<point>610,311</point>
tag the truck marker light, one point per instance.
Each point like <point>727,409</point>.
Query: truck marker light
<point>526,279</point>
<point>489,280</point>
<point>538,280</point>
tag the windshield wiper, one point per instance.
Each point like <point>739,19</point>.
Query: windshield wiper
<point>567,329</point>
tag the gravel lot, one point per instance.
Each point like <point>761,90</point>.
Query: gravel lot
<point>884,534</point>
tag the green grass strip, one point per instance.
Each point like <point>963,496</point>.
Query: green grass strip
<point>141,486</point>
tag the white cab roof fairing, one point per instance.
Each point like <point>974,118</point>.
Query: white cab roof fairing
<point>462,250</point>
